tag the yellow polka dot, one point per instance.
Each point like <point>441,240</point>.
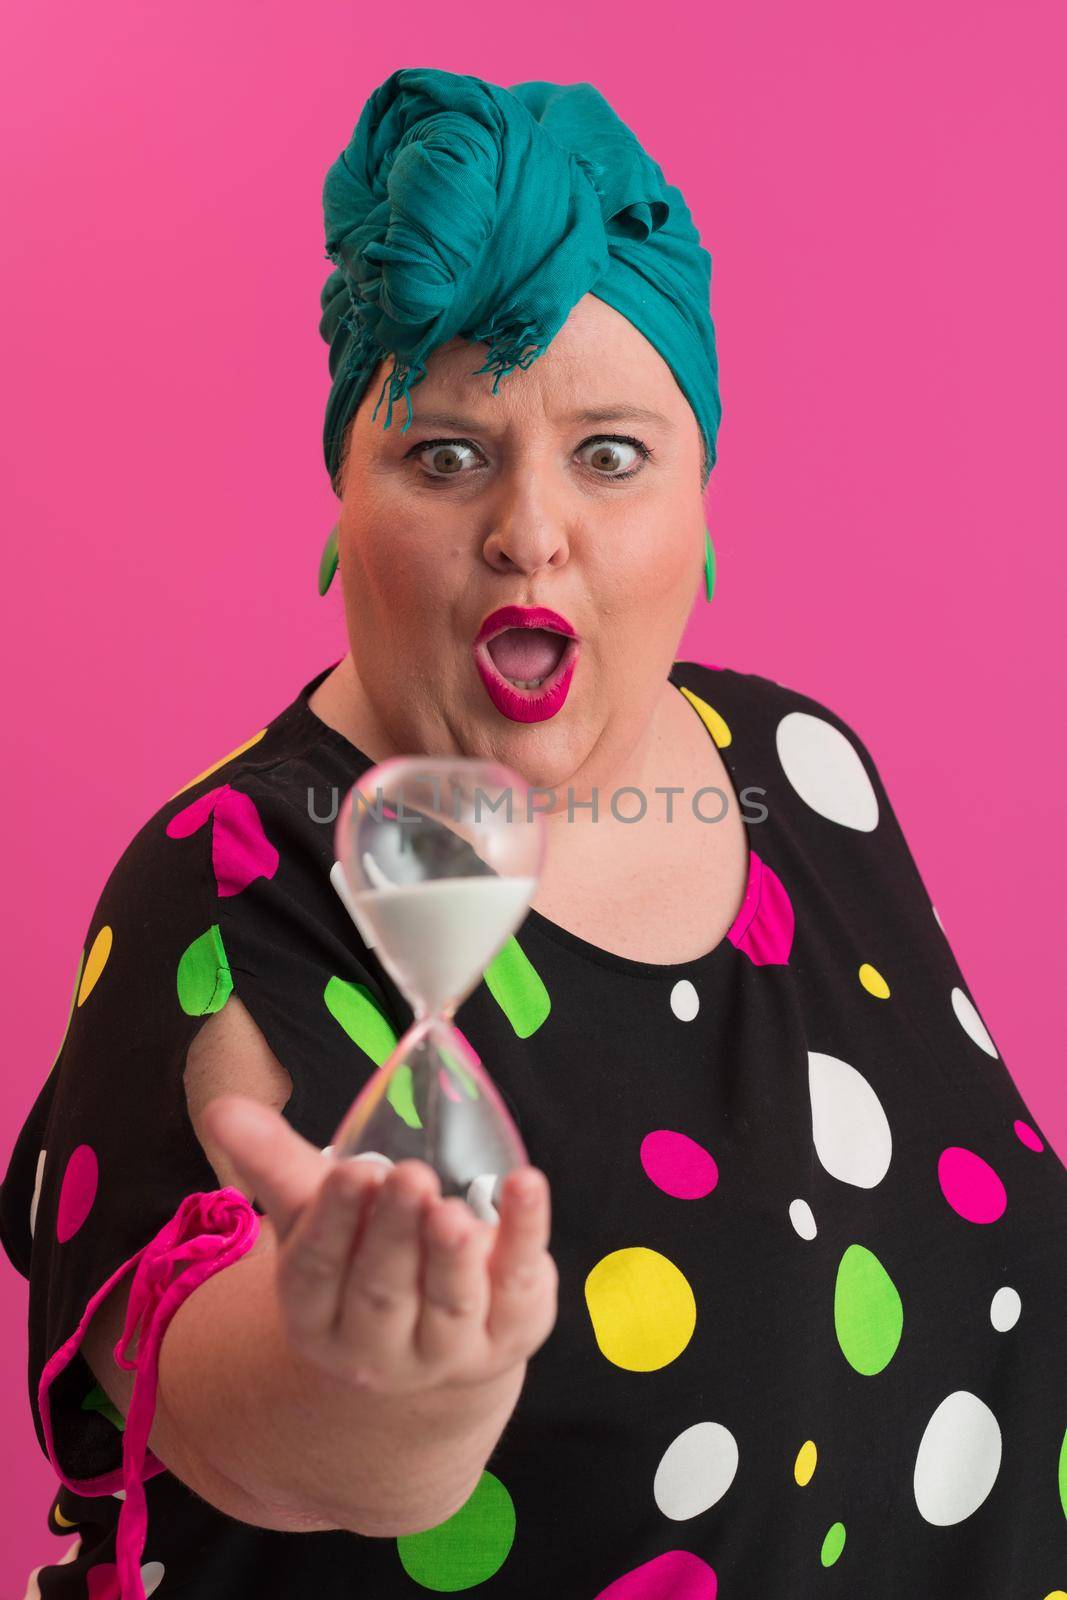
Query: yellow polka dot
<point>711,719</point>
<point>804,1465</point>
<point>241,748</point>
<point>1057,1594</point>
<point>95,962</point>
<point>642,1309</point>
<point>873,981</point>
<point>58,1517</point>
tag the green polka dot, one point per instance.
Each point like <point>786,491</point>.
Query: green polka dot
<point>868,1314</point>
<point>833,1544</point>
<point>97,1400</point>
<point>355,1008</point>
<point>467,1548</point>
<point>204,980</point>
<point>516,986</point>
<point>70,1011</point>
<point>401,1095</point>
<point>1063,1474</point>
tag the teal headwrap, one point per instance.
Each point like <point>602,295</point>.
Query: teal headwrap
<point>463,209</point>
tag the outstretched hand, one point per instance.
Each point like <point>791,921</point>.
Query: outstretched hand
<point>383,1282</point>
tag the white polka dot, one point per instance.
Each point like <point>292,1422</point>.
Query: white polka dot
<point>936,913</point>
<point>37,1191</point>
<point>958,1459</point>
<point>1004,1309</point>
<point>695,1470</point>
<point>849,1127</point>
<point>825,769</point>
<point>971,1022</point>
<point>685,1002</point>
<point>119,1494</point>
<point>480,1194</point>
<point>152,1576</point>
<point>802,1218</point>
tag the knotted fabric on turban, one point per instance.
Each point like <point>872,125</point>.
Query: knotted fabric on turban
<point>460,208</point>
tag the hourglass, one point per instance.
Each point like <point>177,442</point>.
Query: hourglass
<point>439,859</point>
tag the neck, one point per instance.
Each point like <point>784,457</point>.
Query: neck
<point>341,701</point>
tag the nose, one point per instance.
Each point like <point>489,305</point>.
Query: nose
<point>527,532</point>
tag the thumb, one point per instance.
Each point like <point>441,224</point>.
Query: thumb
<point>280,1167</point>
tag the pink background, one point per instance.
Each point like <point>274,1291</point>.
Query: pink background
<point>876,187</point>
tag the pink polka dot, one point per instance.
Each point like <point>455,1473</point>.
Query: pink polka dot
<point>1032,1140</point>
<point>970,1185</point>
<point>763,928</point>
<point>193,816</point>
<point>240,850</point>
<point>77,1192</point>
<point>678,1165</point>
<point>102,1581</point>
<point>677,1575</point>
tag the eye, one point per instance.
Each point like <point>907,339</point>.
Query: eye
<point>614,456</point>
<point>447,458</point>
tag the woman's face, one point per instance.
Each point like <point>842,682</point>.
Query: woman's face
<point>576,487</point>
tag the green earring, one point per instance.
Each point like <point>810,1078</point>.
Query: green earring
<point>709,565</point>
<point>328,561</point>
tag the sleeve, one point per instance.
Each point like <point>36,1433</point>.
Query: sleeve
<point>229,892</point>
<point>108,1178</point>
<point>891,888</point>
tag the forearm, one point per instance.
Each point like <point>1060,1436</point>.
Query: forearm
<point>308,1451</point>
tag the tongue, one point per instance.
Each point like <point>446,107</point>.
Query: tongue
<point>526,652</point>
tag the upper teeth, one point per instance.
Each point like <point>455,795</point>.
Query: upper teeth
<point>526,683</point>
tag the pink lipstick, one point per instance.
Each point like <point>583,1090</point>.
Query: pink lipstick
<point>527,679</point>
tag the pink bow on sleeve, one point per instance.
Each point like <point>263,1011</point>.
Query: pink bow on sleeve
<point>207,1232</point>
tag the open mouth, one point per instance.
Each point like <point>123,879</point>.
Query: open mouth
<point>526,658</point>
<point>529,659</point>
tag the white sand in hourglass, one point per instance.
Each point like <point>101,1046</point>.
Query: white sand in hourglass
<point>438,936</point>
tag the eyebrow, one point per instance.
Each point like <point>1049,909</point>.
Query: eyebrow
<point>609,413</point>
<point>619,413</point>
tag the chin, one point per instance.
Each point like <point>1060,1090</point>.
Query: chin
<point>545,757</point>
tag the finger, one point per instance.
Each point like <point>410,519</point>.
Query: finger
<point>313,1263</point>
<point>379,1302</point>
<point>516,1266</point>
<point>455,1295</point>
<point>282,1168</point>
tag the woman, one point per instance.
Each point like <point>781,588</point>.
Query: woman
<point>796,1327</point>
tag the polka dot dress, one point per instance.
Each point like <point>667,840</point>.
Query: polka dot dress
<point>813,1278</point>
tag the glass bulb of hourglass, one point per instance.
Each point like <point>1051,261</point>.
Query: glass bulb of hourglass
<point>439,860</point>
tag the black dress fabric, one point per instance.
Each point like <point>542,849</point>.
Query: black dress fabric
<point>813,1282</point>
